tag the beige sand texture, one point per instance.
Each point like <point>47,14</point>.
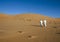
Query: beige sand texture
<point>26,28</point>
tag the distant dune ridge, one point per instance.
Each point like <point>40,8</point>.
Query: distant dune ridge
<point>26,28</point>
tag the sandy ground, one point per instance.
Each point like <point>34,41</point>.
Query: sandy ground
<point>26,28</point>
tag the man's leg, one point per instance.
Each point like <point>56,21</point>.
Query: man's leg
<point>41,24</point>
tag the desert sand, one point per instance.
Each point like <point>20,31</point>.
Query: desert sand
<point>26,28</point>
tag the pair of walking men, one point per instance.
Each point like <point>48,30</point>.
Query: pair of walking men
<point>43,23</point>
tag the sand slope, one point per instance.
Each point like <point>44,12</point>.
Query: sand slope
<point>26,28</point>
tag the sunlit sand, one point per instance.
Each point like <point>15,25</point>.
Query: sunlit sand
<point>26,28</point>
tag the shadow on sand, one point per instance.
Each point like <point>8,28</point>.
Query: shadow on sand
<point>57,33</point>
<point>36,25</point>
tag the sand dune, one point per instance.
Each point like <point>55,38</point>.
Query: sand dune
<point>26,28</point>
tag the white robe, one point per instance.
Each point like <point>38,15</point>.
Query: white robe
<point>45,23</point>
<point>41,23</point>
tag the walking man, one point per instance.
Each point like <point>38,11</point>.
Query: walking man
<point>45,23</point>
<point>41,23</point>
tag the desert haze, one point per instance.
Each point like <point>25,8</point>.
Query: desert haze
<point>26,28</point>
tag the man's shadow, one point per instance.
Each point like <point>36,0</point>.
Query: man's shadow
<point>36,25</point>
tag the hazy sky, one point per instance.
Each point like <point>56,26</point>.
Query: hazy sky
<point>44,7</point>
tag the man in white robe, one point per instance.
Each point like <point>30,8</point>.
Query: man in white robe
<point>45,23</point>
<point>41,23</point>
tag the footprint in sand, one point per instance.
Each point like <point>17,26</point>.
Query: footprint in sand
<point>20,32</point>
<point>54,27</point>
<point>31,37</point>
<point>57,33</point>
